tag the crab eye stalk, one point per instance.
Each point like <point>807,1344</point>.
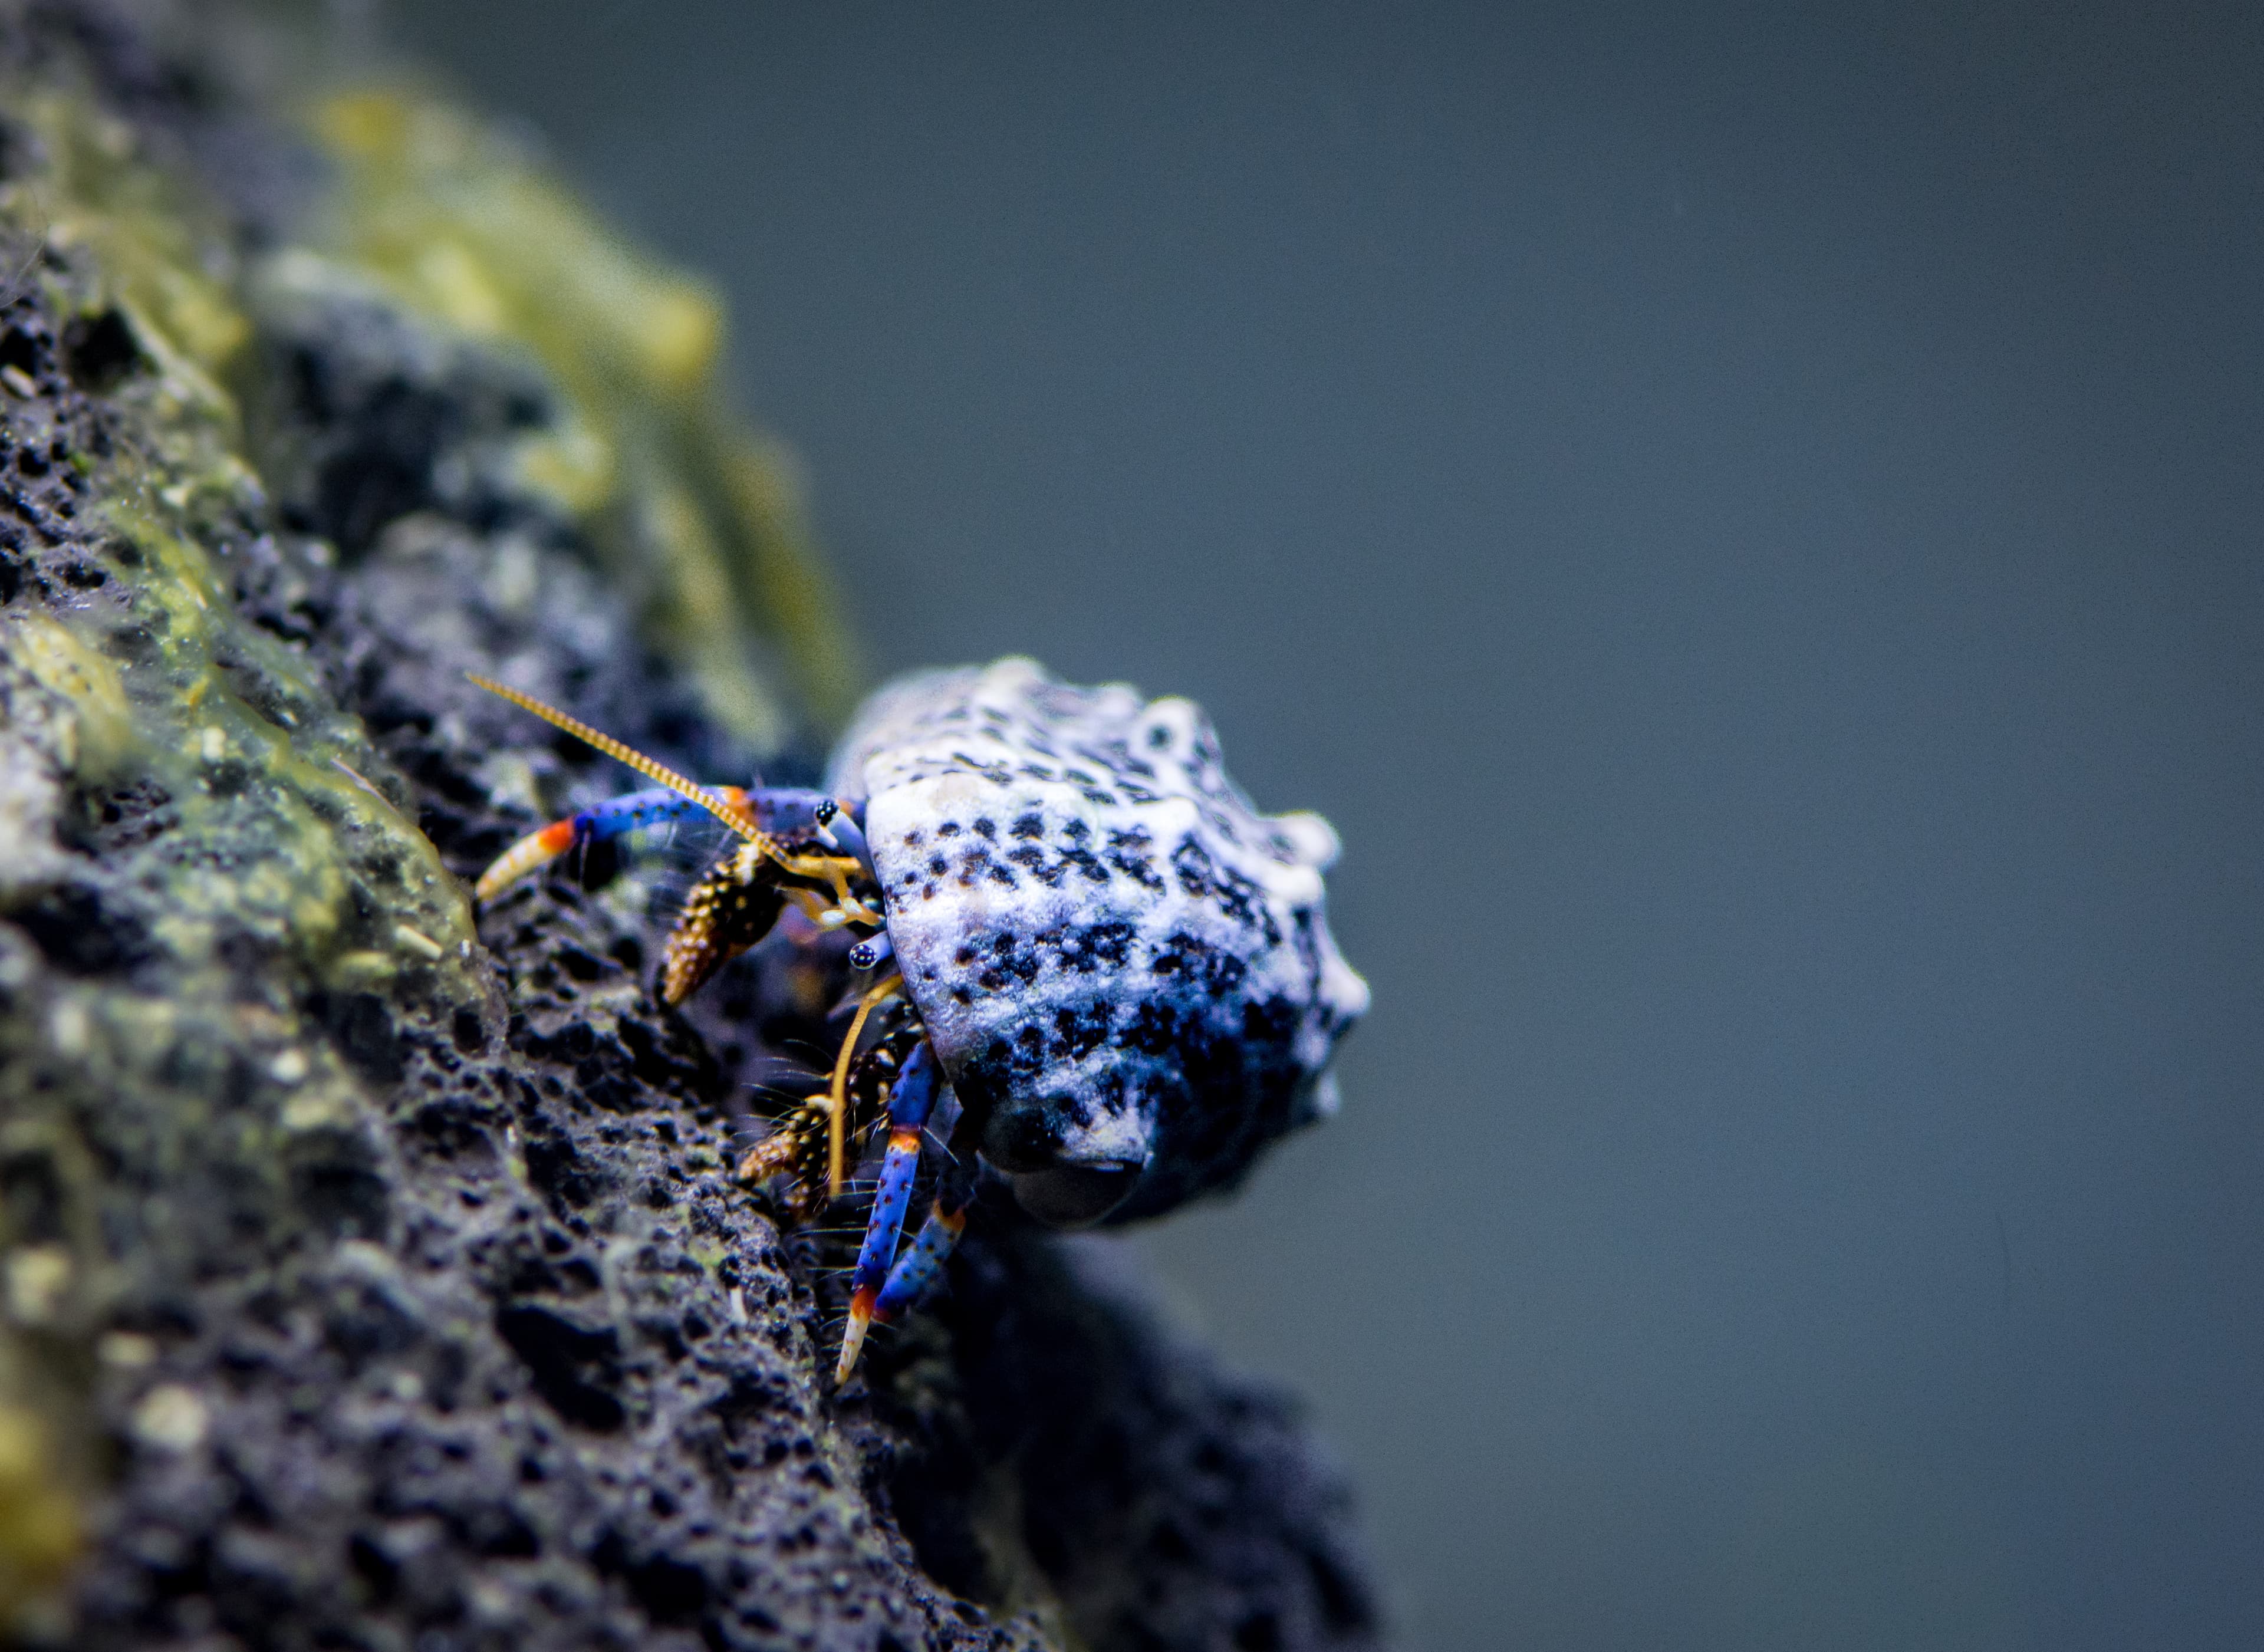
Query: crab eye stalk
<point>837,827</point>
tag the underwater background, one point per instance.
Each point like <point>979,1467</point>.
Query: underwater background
<point>1747,520</point>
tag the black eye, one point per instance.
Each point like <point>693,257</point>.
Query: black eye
<point>1074,1195</point>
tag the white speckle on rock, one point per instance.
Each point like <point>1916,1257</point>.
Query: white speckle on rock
<point>38,1277</point>
<point>125,1349</point>
<point>69,1027</point>
<point>317,1109</point>
<point>170,1418</point>
<point>418,942</point>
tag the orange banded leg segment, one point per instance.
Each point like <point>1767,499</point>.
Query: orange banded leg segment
<point>613,817</point>
<point>530,853</point>
<point>917,1268</point>
<point>909,1102</point>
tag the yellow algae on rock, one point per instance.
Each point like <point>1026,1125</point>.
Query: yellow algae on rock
<point>471,229</point>
<point>95,728</point>
<point>39,1522</point>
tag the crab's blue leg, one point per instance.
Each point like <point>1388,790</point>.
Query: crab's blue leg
<point>774,809</point>
<point>916,1269</point>
<point>633,811</point>
<point>910,1100</point>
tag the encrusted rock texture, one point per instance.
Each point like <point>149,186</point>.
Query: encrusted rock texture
<point>373,1276</point>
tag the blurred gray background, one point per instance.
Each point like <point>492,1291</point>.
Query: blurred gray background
<point>1748,522</point>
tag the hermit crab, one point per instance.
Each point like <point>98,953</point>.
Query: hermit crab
<point>1085,962</point>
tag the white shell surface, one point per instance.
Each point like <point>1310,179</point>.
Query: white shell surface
<point>1112,951</point>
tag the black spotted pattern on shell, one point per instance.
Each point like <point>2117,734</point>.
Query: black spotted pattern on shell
<point>1112,950</point>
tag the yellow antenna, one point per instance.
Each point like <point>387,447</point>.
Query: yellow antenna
<point>736,819</point>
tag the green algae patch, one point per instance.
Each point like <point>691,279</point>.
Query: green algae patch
<point>204,856</point>
<point>96,735</point>
<point>239,732</point>
<point>166,684</point>
<point>698,519</point>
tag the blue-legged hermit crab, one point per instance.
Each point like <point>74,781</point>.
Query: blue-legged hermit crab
<point>1086,957</point>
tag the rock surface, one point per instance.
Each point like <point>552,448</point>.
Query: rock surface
<point>372,1276</point>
